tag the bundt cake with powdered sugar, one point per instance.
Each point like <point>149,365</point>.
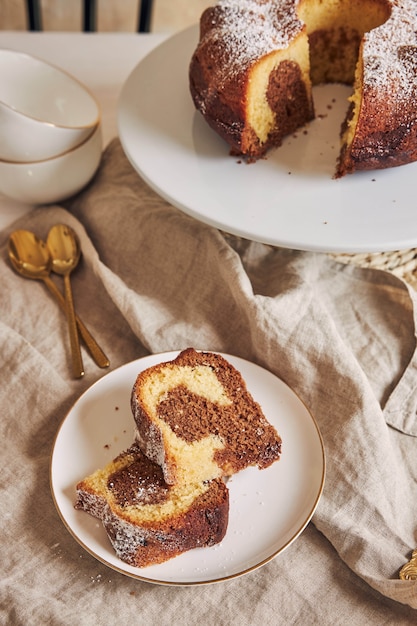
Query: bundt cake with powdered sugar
<point>197,420</point>
<point>252,72</point>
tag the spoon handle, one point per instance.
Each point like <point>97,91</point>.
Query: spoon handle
<point>77,361</point>
<point>96,352</point>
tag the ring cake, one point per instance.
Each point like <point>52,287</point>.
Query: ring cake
<point>252,72</point>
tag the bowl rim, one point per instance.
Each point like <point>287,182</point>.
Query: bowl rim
<point>91,135</point>
<point>70,76</point>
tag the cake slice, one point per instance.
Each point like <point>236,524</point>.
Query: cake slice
<point>196,419</point>
<point>147,520</point>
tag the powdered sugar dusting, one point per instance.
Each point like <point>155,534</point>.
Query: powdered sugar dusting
<point>390,51</point>
<point>248,29</point>
<point>245,30</point>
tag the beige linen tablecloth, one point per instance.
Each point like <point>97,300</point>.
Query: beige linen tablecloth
<point>153,279</point>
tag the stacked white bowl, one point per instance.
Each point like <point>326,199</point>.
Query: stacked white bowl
<point>50,131</point>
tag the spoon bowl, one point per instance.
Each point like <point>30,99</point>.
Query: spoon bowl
<point>64,249</point>
<point>29,255</point>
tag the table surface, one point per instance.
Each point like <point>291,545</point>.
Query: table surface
<point>102,61</point>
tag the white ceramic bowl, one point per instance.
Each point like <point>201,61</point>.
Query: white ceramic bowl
<point>53,180</point>
<point>44,111</point>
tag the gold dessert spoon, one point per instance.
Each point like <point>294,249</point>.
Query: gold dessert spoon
<point>31,258</point>
<point>65,253</point>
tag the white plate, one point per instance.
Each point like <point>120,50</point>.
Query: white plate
<point>184,161</point>
<point>268,508</point>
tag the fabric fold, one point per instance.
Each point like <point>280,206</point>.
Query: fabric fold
<point>343,338</point>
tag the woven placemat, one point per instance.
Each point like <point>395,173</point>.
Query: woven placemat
<point>402,263</point>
